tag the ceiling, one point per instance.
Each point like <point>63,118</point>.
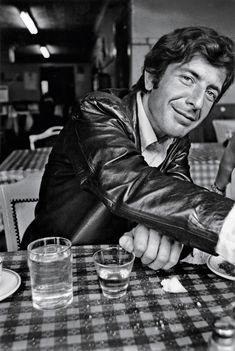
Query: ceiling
<point>68,28</point>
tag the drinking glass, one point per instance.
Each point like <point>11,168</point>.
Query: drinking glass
<point>50,266</point>
<point>113,266</point>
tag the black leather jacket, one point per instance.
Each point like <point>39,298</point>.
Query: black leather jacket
<point>96,185</point>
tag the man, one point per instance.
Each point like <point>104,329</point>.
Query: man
<point>123,164</point>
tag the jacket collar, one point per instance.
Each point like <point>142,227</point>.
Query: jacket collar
<point>130,103</point>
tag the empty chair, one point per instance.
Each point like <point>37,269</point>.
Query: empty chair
<point>46,138</point>
<point>223,128</point>
<point>18,201</point>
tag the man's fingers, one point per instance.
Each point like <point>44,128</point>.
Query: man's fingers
<point>163,254</point>
<point>127,241</point>
<point>141,234</point>
<point>151,251</point>
<point>176,249</point>
<point>155,250</point>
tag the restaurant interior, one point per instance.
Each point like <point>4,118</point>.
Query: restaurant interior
<point>52,52</point>
<point>90,45</point>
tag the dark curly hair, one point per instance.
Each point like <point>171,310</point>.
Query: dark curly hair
<point>184,43</point>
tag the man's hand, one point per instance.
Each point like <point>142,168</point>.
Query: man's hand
<point>226,243</point>
<point>155,250</point>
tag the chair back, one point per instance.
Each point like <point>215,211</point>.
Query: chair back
<point>47,135</point>
<point>223,129</point>
<point>18,201</point>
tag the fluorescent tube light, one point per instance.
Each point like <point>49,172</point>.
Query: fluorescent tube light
<point>28,22</point>
<point>44,51</point>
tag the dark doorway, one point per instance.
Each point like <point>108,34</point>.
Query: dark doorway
<point>60,84</point>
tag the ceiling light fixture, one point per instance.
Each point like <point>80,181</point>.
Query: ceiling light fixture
<point>44,51</point>
<point>28,22</point>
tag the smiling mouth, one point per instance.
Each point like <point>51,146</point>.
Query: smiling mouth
<point>185,115</point>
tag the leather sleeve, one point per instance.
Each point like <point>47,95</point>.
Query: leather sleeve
<point>120,177</point>
<point>178,165</point>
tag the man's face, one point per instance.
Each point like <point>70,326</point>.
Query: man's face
<point>184,97</point>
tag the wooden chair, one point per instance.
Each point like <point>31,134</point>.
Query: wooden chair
<point>48,137</point>
<point>18,201</point>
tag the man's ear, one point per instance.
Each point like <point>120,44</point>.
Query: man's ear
<point>148,81</point>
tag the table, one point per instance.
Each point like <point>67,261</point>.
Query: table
<point>204,159</point>
<point>21,163</point>
<point>147,318</point>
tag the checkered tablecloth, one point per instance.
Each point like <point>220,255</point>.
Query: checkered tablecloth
<point>21,163</point>
<point>204,159</point>
<point>203,173</point>
<point>147,318</point>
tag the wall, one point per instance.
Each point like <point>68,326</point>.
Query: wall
<point>23,80</point>
<point>105,51</point>
<point>153,18</point>
<point>103,54</point>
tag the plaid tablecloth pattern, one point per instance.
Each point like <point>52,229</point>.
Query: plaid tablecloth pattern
<point>147,318</point>
<point>21,163</point>
<point>204,159</point>
<point>203,173</point>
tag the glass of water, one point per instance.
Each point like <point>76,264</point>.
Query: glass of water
<point>50,266</point>
<point>113,266</point>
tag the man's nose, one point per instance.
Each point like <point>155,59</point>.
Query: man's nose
<point>196,98</point>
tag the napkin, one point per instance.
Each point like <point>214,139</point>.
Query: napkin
<point>173,285</point>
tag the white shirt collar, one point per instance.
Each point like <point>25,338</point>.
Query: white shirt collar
<point>147,134</point>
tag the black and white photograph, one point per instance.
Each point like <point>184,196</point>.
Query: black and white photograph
<point>117,175</point>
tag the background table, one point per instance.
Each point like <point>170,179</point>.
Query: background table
<point>21,163</point>
<point>204,159</point>
<point>147,318</point>
<point>18,165</point>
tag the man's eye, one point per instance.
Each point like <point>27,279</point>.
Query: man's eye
<point>187,80</point>
<point>211,95</point>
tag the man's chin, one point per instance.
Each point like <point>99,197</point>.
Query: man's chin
<point>179,133</point>
<point>180,129</point>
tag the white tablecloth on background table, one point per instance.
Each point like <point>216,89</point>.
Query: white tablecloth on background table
<point>19,164</point>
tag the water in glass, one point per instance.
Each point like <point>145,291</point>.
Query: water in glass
<point>51,276</point>
<point>114,284</point>
<point>113,266</point>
